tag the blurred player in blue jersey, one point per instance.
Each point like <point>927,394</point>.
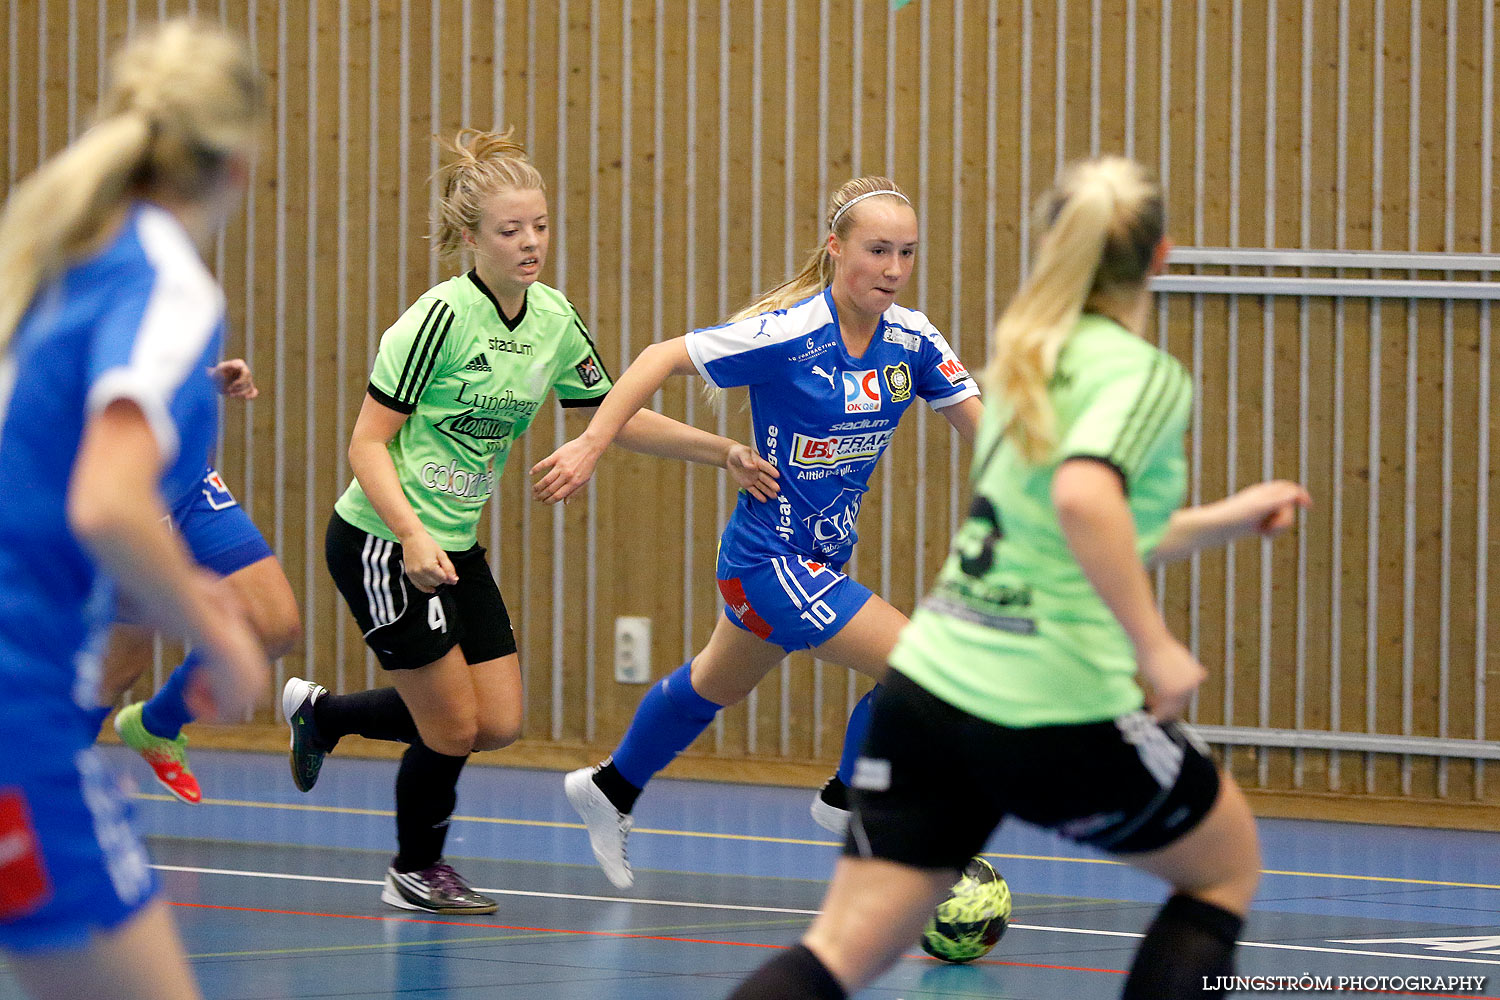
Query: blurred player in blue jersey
<point>832,363</point>
<point>109,321</point>
<point>222,538</point>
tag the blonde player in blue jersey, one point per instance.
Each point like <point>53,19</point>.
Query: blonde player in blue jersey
<point>109,324</point>
<point>457,380</point>
<point>1017,688</point>
<point>832,364</point>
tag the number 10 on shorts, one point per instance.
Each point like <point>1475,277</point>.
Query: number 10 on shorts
<point>819,615</point>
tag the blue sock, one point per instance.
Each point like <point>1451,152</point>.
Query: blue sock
<point>96,717</point>
<point>166,712</point>
<point>854,735</point>
<point>668,720</point>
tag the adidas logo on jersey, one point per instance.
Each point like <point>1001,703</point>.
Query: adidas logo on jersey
<point>478,363</point>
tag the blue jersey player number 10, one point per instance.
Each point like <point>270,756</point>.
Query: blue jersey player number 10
<point>831,364</point>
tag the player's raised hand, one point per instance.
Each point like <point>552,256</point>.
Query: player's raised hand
<point>564,472</point>
<point>234,379</point>
<point>1268,508</point>
<point>752,473</point>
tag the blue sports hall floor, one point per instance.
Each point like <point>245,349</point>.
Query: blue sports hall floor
<point>277,895</point>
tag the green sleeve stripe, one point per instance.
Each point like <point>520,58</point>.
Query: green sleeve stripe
<point>422,357</point>
<point>1150,426</point>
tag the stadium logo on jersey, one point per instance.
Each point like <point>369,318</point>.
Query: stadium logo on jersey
<point>898,381</point>
<point>509,347</point>
<point>833,527</point>
<point>867,424</point>
<point>479,363</point>
<point>588,372</point>
<point>954,371</point>
<point>818,370</point>
<point>895,335</point>
<point>861,392</point>
<point>476,432</point>
<point>838,449</point>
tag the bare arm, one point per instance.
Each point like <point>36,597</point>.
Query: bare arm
<point>370,459</point>
<point>964,416</point>
<point>652,433</point>
<point>1266,509</point>
<point>116,511</point>
<point>567,469</point>
<point>1097,524</point>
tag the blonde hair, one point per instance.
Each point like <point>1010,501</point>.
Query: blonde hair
<point>817,270</point>
<point>182,99</point>
<point>479,164</point>
<point>1101,226</point>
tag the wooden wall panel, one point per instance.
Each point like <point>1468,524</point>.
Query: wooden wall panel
<point>690,147</point>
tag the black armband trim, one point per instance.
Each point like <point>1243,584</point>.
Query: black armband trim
<point>571,404</point>
<point>1108,463</point>
<point>387,400</point>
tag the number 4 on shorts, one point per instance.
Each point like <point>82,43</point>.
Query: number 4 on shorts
<point>436,620</point>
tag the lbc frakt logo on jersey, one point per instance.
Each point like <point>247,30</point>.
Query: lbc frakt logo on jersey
<point>954,371</point>
<point>861,392</point>
<point>837,449</point>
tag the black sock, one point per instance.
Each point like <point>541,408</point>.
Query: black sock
<point>1188,947</point>
<point>378,714</point>
<point>795,974</point>
<point>621,793</point>
<point>426,791</point>
<point>835,793</point>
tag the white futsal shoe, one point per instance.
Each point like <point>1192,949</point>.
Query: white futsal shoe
<point>608,827</point>
<point>830,807</point>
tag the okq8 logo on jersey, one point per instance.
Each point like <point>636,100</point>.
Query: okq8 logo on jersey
<point>861,392</point>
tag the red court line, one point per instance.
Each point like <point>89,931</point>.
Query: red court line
<point>469,923</point>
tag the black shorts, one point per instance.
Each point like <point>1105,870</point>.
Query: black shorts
<point>934,782</point>
<point>405,627</point>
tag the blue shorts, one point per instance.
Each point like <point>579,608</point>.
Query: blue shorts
<point>792,601</point>
<point>73,866</point>
<point>217,530</point>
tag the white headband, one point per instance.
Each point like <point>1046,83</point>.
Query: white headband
<point>859,198</point>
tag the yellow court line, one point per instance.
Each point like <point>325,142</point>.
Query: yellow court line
<point>796,841</point>
<point>1385,878</point>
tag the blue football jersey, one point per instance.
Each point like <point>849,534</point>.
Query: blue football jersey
<point>822,416</point>
<point>140,319</point>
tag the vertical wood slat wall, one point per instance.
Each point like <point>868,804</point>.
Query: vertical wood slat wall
<point>689,147</point>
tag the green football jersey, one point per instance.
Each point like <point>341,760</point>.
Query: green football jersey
<point>471,381</point>
<point>1013,631</point>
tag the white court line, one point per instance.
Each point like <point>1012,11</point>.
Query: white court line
<point>497,892</point>
<point>1270,945</point>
